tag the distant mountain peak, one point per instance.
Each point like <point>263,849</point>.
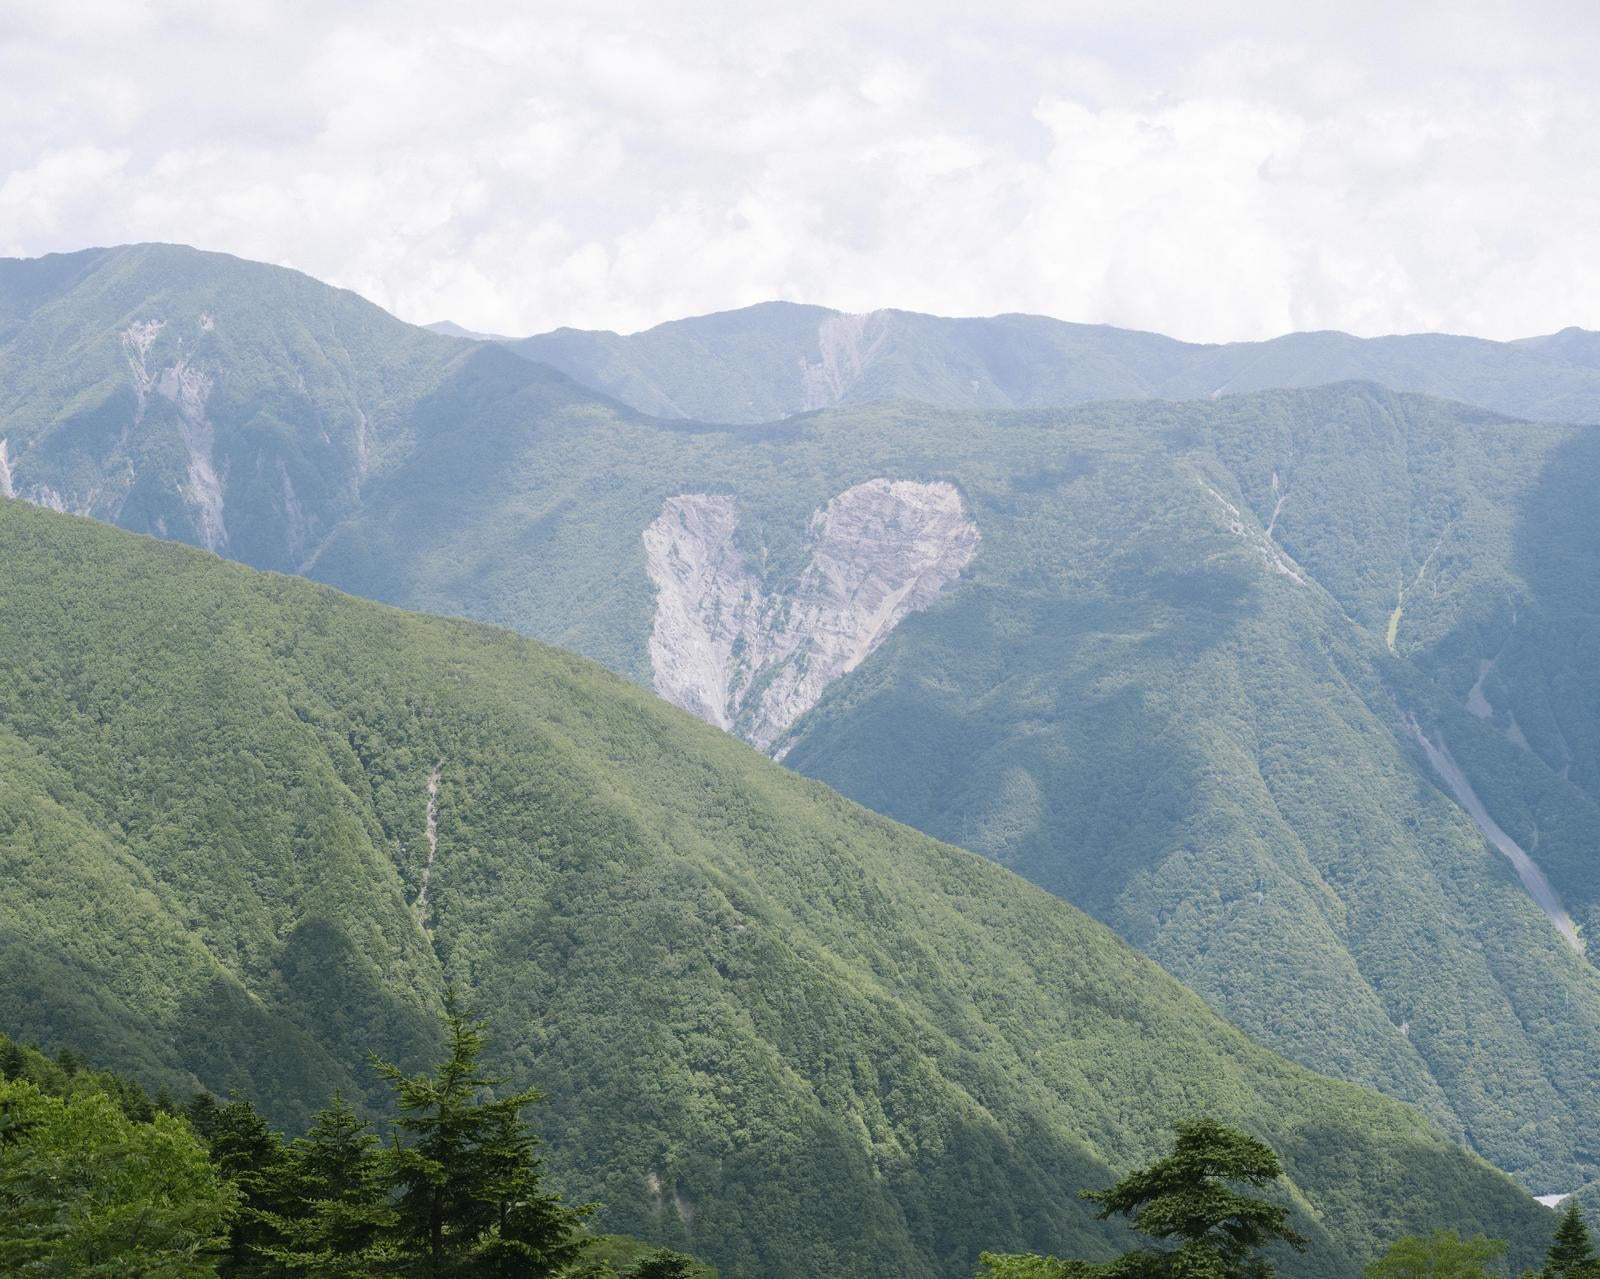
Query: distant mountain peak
<point>451,329</point>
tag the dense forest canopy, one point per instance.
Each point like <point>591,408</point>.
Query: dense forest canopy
<point>775,1029</point>
<point>1182,682</point>
<point>1229,675</point>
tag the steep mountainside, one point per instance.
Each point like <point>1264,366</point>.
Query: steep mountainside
<point>252,828</point>
<point>1189,665</point>
<point>240,407</point>
<point>753,663</point>
<point>1149,679</point>
<point>770,361</point>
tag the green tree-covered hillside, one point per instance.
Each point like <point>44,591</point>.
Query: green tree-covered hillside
<point>1174,682</point>
<point>253,828</point>
<point>1138,697</point>
<point>225,403</point>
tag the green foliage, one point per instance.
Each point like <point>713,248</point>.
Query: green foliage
<point>775,1029</point>
<point>621,1257</point>
<point>769,361</point>
<point>251,1156</point>
<point>87,1192</point>
<point>470,1195</point>
<point>1185,1199</point>
<point>995,1265</point>
<point>1571,1255</point>
<point>1443,1255</point>
<point>67,1075</point>
<point>663,1264</point>
<point>132,1197</point>
<point>1122,701</point>
<point>336,1221</point>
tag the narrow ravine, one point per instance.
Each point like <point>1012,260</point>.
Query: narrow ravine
<point>1532,877</point>
<point>432,829</point>
<point>1277,559</point>
<point>1391,635</point>
<point>1282,496</point>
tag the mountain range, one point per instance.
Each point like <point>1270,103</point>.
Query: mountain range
<point>1293,688</point>
<point>254,828</point>
<point>777,359</point>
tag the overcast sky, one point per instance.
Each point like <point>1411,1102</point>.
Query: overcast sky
<point>1210,170</point>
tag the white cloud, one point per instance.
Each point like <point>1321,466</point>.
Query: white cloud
<point>1216,171</point>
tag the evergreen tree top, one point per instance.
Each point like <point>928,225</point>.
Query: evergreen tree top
<point>1571,1254</point>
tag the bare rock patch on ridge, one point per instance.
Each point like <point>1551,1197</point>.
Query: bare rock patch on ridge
<point>752,661</point>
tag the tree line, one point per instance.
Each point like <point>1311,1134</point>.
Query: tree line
<point>99,1180</point>
<point>1199,1225</point>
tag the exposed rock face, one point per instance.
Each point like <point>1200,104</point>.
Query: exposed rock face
<point>7,487</point>
<point>1263,541</point>
<point>188,389</point>
<point>846,344</point>
<point>706,603</point>
<point>44,495</point>
<point>1532,877</point>
<point>753,662</point>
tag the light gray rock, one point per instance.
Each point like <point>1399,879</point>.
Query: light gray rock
<point>753,661</point>
<point>188,389</point>
<point>846,345</point>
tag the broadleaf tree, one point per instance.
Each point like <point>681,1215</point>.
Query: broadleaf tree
<point>88,1192</point>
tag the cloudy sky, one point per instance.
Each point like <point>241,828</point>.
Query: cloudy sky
<point>1213,170</point>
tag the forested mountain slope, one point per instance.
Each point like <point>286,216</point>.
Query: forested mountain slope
<point>1121,683</point>
<point>253,828</point>
<point>1163,659</point>
<point>776,359</point>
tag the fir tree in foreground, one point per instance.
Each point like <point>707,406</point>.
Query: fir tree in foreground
<point>251,1156</point>
<point>99,1180</point>
<point>337,1222</point>
<point>470,1193</point>
<point>1185,1202</point>
<point>1571,1255</point>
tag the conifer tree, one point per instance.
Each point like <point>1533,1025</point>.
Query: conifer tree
<point>1571,1255</point>
<point>1184,1200</point>
<point>1185,1197</point>
<point>337,1219</point>
<point>201,1112</point>
<point>470,1196</point>
<point>12,1059</point>
<point>252,1157</point>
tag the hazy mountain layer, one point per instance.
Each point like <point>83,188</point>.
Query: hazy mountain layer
<point>776,1026</point>
<point>236,406</point>
<point>770,361</point>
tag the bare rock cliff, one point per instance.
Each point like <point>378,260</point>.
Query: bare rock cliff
<point>753,661</point>
<point>846,345</point>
